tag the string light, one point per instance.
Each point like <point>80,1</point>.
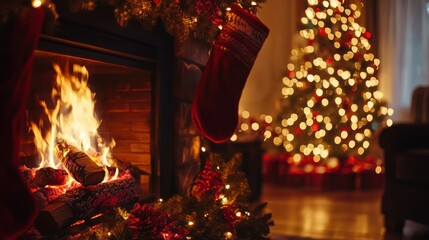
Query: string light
<point>335,68</point>
<point>37,3</point>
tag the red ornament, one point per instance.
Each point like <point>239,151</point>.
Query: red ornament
<point>329,61</point>
<point>367,35</point>
<point>230,216</point>
<point>310,42</point>
<point>317,9</point>
<point>315,127</point>
<point>315,114</point>
<point>298,131</point>
<point>290,74</point>
<point>210,8</point>
<point>147,221</point>
<point>322,32</point>
<point>357,56</point>
<point>208,183</point>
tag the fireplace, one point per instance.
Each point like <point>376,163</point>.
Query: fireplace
<point>130,73</point>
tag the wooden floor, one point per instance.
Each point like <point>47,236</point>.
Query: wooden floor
<point>316,214</point>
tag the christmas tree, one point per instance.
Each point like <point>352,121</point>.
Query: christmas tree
<point>331,106</point>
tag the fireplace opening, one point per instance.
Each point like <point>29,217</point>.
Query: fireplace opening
<point>122,114</point>
<point>130,76</point>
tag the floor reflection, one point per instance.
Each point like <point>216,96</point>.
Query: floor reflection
<point>314,214</point>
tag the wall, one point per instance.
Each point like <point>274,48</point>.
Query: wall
<point>263,87</point>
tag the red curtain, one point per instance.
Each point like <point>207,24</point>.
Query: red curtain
<point>19,37</point>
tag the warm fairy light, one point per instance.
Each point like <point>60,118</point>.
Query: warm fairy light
<point>238,214</point>
<point>203,149</point>
<point>335,69</point>
<point>190,223</point>
<point>227,186</point>
<point>245,114</point>
<point>228,235</point>
<point>37,3</point>
<point>378,170</point>
<point>253,3</point>
<point>224,200</point>
<point>234,137</point>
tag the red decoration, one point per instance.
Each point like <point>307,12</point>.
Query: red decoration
<point>145,221</point>
<point>329,61</point>
<point>315,114</point>
<point>19,37</point>
<point>357,56</point>
<point>315,127</point>
<point>210,8</point>
<point>322,32</point>
<point>367,35</point>
<point>208,184</point>
<point>230,216</point>
<point>215,105</point>
<point>298,131</point>
<point>290,74</point>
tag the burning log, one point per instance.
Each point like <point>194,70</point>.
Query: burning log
<point>80,165</point>
<point>50,176</point>
<point>85,202</point>
<point>44,196</point>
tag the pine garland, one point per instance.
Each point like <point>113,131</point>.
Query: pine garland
<point>209,215</point>
<point>181,18</point>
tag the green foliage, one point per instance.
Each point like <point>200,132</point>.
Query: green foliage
<point>214,217</point>
<point>181,18</point>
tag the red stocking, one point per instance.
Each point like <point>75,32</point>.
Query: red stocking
<point>215,106</point>
<point>18,39</point>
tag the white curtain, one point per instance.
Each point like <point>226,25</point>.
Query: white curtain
<point>404,52</point>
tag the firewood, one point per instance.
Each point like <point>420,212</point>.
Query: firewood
<point>84,202</point>
<point>50,176</point>
<point>44,196</point>
<point>80,166</point>
<point>28,175</point>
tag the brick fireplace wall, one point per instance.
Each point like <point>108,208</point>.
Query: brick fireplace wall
<point>191,58</point>
<point>125,106</point>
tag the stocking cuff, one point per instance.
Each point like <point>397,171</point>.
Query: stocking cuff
<point>243,34</point>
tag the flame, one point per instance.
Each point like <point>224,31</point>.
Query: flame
<point>72,120</point>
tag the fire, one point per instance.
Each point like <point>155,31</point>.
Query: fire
<point>72,120</point>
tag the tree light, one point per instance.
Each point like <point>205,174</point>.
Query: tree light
<point>37,3</point>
